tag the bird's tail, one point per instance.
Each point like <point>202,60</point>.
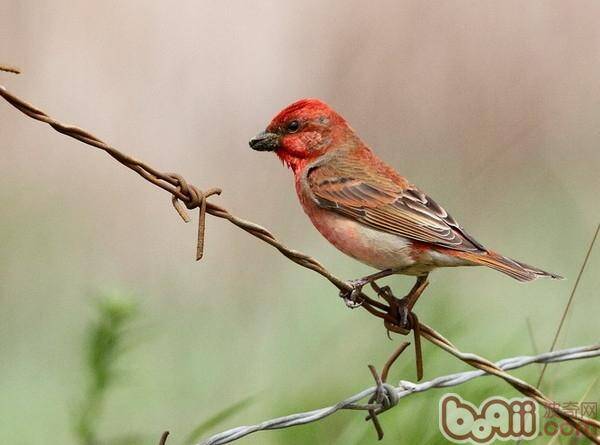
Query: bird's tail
<point>512,268</point>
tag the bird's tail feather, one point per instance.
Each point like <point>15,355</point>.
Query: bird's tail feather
<point>513,268</point>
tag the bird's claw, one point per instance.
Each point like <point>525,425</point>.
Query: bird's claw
<point>403,312</point>
<point>384,292</point>
<point>352,297</point>
<point>400,312</point>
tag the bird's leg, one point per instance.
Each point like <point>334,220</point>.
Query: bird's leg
<point>405,305</point>
<point>384,292</point>
<point>351,297</point>
<point>400,308</point>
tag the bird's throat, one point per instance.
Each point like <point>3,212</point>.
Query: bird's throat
<point>295,163</point>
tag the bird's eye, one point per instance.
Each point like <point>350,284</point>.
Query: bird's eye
<point>293,126</point>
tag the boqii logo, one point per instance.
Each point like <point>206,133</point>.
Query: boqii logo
<point>496,418</point>
<point>553,425</point>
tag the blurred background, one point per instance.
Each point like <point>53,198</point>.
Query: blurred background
<point>491,107</point>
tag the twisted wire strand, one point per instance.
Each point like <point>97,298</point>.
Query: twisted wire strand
<point>192,197</point>
<point>404,389</point>
<point>10,69</point>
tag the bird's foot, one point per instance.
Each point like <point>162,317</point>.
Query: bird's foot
<point>384,292</point>
<point>398,308</point>
<point>352,296</point>
<point>399,311</point>
<point>404,310</point>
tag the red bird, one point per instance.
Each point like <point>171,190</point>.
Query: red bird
<point>365,208</point>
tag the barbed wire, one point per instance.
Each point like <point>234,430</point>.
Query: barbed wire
<point>404,389</point>
<point>188,195</point>
<point>10,69</point>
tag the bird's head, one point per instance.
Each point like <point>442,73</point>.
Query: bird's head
<point>302,132</point>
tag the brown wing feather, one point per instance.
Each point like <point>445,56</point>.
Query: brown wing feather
<point>367,190</point>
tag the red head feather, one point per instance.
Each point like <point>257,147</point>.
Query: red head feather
<point>308,128</point>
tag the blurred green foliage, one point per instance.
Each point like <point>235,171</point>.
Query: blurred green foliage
<point>108,338</point>
<point>106,341</point>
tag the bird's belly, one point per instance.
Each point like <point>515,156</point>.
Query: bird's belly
<point>377,249</point>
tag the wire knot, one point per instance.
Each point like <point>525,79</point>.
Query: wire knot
<point>387,396</point>
<point>195,198</point>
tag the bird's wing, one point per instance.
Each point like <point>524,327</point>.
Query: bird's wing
<point>373,194</point>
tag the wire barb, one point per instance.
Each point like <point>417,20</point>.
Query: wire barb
<point>390,361</point>
<point>385,396</point>
<point>10,69</point>
<point>163,438</point>
<point>197,199</point>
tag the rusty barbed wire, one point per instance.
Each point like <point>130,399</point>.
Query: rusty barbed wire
<point>10,69</point>
<point>188,195</point>
<point>163,438</point>
<point>404,389</point>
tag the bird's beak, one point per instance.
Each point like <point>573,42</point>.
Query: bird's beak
<point>265,142</point>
